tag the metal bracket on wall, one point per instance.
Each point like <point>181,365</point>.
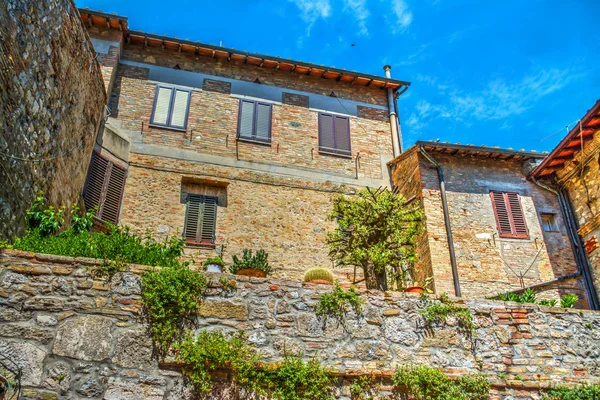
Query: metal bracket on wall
<point>357,164</point>
<point>312,153</point>
<point>227,140</point>
<point>142,130</point>
<point>237,149</point>
<point>277,147</point>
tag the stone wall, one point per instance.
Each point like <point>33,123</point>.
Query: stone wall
<point>77,338</point>
<point>51,103</point>
<point>487,264</point>
<point>584,192</point>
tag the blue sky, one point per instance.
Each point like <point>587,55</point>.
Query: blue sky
<point>500,73</point>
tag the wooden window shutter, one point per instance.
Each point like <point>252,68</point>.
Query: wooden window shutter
<point>510,218</point>
<point>263,121</point>
<point>162,103</point>
<point>342,135</point>
<point>180,108</point>
<point>200,219</point>
<point>104,188</point>
<point>326,133</point>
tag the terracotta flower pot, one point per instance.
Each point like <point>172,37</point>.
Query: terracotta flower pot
<point>320,282</point>
<point>257,273</point>
<point>414,289</point>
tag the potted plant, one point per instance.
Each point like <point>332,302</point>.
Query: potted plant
<point>319,275</point>
<point>214,264</point>
<point>418,287</point>
<point>251,265</point>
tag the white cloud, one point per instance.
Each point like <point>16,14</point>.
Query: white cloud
<point>403,16</point>
<point>359,10</point>
<point>499,99</point>
<point>312,10</point>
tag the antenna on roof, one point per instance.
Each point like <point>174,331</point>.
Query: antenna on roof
<point>220,43</point>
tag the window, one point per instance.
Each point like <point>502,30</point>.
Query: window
<point>334,134</point>
<point>254,121</point>
<point>200,219</point>
<point>549,222</point>
<point>510,219</point>
<point>104,188</point>
<point>170,107</point>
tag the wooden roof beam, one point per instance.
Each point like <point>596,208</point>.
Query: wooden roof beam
<point>90,22</point>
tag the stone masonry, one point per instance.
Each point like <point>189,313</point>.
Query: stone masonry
<point>52,101</point>
<point>79,338</point>
<point>487,264</point>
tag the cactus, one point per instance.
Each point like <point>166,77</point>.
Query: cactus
<point>319,274</point>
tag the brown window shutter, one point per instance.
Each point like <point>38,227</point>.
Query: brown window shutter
<point>111,206</point>
<point>326,133</point>
<point>200,219</point>
<point>104,188</point>
<point>510,218</point>
<point>94,185</point>
<point>342,135</point>
<point>518,217</point>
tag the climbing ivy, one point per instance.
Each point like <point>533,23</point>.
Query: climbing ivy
<point>582,392</point>
<point>338,302</point>
<point>438,312</point>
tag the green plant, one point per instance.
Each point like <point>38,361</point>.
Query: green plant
<point>528,296</point>
<point>568,300</point>
<point>425,284</point>
<point>212,350</point>
<point>338,302</point>
<point>109,268</point>
<point>582,392</point>
<point>46,220</point>
<point>171,297</point>
<point>248,261</point>
<point>438,312</point>
<point>217,260</point>
<point>295,379</point>
<point>548,302</point>
<point>427,383</point>
<point>319,274</point>
<point>502,375</point>
<point>363,388</point>
<point>227,284</point>
<point>83,223</point>
<point>376,232</point>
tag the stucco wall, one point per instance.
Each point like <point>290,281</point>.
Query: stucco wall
<point>78,338</point>
<point>51,103</point>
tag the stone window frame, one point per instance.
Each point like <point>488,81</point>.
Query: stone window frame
<point>167,124</point>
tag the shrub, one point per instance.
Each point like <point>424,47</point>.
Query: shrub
<point>438,312</point>
<point>376,232</point>
<point>319,274</point>
<point>568,300</point>
<point>258,261</point>
<point>429,383</point>
<point>583,392</point>
<point>171,297</point>
<point>338,302</point>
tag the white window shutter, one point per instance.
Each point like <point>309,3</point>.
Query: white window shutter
<point>246,117</point>
<point>263,121</point>
<point>161,106</point>
<point>180,107</point>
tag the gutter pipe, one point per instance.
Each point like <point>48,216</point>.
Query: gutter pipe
<point>393,120</point>
<point>576,245</point>
<point>446,220</point>
<point>397,110</point>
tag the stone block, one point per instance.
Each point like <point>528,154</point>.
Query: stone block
<point>29,357</point>
<point>120,389</point>
<point>223,310</point>
<point>134,349</point>
<point>86,338</point>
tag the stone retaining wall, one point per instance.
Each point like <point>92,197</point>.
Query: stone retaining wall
<point>79,338</point>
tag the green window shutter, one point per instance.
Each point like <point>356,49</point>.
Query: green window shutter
<point>200,219</point>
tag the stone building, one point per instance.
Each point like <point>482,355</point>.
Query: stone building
<point>52,104</point>
<point>232,149</point>
<point>496,232</point>
<point>572,170</point>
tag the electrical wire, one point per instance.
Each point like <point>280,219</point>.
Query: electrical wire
<point>559,130</point>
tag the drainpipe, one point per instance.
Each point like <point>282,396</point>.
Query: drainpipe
<point>576,245</point>
<point>396,97</point>
<point>392,112</point>
<point>446,220</point>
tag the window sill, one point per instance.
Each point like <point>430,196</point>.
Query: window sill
<point>204,245</point>
<point>168,128</point>
<point>331,153</point>
<point>255,141</point>
<point>514,237</point>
